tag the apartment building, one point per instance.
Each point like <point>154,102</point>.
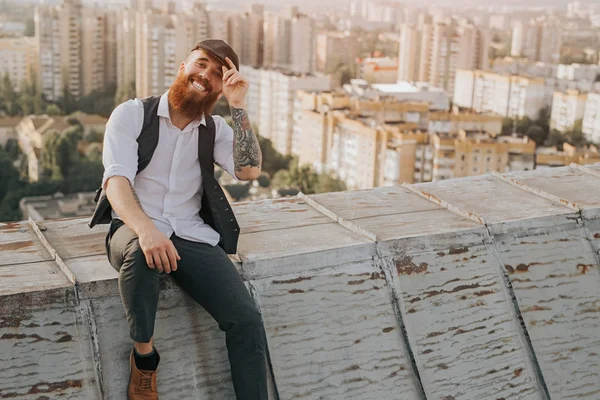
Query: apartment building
<point>333,49</point>
<point>591,118</point>
<point>454,122</point>
<point>378,70</point>
<point>538,39</point>
<point>19,60</point>
<point>340,133</point>
<point>432,52</point>
<point>163,41</point>
<point>567,109</point>
<point>548,157</point>
<point>271,99</point>
<point>501,94</point>
<point>76,48</point>
<point>126,47</point>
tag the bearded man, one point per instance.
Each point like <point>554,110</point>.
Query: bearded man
<point>165,209</point>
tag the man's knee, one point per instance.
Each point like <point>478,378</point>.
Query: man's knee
<point>134,261</point>
<point>249,320</point>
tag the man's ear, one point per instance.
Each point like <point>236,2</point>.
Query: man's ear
<point>181,68</point>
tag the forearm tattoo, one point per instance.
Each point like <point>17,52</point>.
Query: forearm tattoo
<point>135,196</point>
<point>246,151</point>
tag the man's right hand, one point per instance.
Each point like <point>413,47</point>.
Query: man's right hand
<point>159,250</point>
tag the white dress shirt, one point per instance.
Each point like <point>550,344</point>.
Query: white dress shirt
<point>170,187</point>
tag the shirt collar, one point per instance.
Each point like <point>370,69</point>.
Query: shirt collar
<point>163,111</point>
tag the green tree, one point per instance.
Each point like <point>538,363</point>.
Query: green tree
<point>125,93</point>
<point>304,179</point>
<point>53,110</point>
<point>29,27</point>
<point>94,136</point>
<point>99,101</point>
<point>273,160</point>
<point>222,108</point>
<point>507,126</point>
<point>9,206</point>
<point>536,133</point>
<point>67,102</point>
<point>9,98</point>
<point>264,181</point>
<point>555,138</point>
<point>9,176</point>
<point>238,190</point>
<point>31,99</point>
<point>326,184</point>
<point>83,176</point>
<point>12,149</point>
<point>94,152</point>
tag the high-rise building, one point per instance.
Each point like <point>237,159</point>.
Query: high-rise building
<point>163,42</point>
<point>76,47</point>
<point>58,37</point>
<point>218,25</point>
<point>537,39</point>
<point>567,109</point>
<point>19,59</point>
<point>506,95</point>
<point>277,40</point>
<point>409,54</point>
<point>302,44</point>
<point>333,49</point>
<point>126,41</point>
<point>253,37</point>
<point>591,118</point>
<point>271,100</point>
<point>289,41</point>
<point>432,52</point>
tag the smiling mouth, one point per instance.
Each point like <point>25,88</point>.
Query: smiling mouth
<point>199,87</point>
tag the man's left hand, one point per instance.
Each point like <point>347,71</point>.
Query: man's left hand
<point>235,86</point>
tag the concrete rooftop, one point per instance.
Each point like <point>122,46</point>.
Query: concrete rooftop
<point>476,288</point>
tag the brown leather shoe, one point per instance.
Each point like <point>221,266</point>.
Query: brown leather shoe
<point>142,384</point>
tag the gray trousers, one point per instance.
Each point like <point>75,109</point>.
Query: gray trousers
<point>209,277</point>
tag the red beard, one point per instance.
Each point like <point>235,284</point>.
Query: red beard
<point>190,102</point>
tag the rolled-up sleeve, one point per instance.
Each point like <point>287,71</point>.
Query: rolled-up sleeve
<point>119,154</point>
<point>223,151</point>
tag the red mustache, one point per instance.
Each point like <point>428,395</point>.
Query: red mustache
<point>203,82</point>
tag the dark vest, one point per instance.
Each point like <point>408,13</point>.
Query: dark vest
<point>215,210</point>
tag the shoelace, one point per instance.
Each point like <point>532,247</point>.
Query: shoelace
<point>146,382</point>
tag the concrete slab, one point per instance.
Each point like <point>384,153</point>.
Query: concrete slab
<point>288,251</point>
<point>461,325</point>
<point>334,336</point>
<point>73,238</point>
<point>194,362</point>
<point>20,245</point>
<point>277,214</point>
<point>45,353</point>
<point>576,186</point>
<point>415,224</point>
<point>381,201</point>
<point>556,281</point>
<point>492,199</point>
<point>91,269</point>
<point>18,278</point>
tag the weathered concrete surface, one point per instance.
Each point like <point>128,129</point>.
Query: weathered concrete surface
<point>320,351</point>
<point>474,288</point>
<point>45,351</point>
